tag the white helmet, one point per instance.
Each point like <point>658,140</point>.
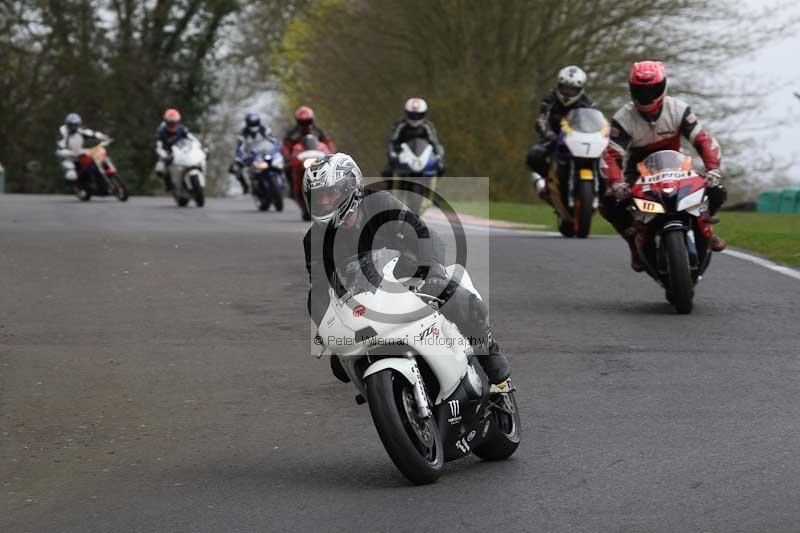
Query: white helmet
<point>332,188</point>
<point>415,111</point>
<point>571,81</point>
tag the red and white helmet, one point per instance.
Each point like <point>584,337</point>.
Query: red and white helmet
<point>172,118</point>
<point>648,86</point>
<point>304,116</point>
<point>415,111</point>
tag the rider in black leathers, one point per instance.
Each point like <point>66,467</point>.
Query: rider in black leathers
<point>349,217</point>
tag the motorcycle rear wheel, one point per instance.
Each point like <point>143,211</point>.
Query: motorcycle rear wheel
<point>566,228</point>
<point>584,208</point>
<point>120,191</point>
<point>681,287</point>
<point>198,193</point>
<point>503,438</point>
<point>413,444</point>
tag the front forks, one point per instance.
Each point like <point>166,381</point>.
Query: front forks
<point>420,394</point>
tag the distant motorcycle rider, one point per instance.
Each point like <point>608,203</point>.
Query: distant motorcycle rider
<point>253,132</point>
<point>567,95</point>
<point>169,132</point>
<point>413,125</point>
<point>70,148</point>
<point>304,125</point>
<point>347,215</point>
<point>655,121</point>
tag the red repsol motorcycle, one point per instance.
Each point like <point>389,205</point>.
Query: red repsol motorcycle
<point>668,198</point>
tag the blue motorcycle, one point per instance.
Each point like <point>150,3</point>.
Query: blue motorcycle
<point>419,163</point>
<point>265,171</point>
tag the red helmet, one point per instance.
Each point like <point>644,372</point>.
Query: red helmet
<point>304,116</point>
<point>648,85</point>
<point>172,117</point>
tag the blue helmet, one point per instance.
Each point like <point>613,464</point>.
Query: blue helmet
<point>252,120</point>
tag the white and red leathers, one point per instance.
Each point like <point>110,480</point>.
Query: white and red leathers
<point>634,136</point>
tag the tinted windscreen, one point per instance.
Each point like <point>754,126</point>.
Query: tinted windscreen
<point>364,272</point>
<point>666,160</point>
<point>586,120</point>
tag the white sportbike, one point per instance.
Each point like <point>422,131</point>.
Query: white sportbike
<point>188,171</point>
<point>428,395</point>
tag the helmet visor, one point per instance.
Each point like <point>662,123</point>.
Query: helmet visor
<point>647,94</point>
<point>415,116</point>
<point>568,91</point>
<point>325,201</point>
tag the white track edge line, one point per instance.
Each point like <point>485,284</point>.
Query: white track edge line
<point>766,263</point>
<point>760,261</point>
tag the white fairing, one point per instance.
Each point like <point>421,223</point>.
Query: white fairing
<point>416,164</point>
<point>586,145</point>
<point>188,158</point>
<point>425,330</point>
<point>693,200</point>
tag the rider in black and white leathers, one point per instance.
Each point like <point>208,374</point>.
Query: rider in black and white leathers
<point>71,143</point>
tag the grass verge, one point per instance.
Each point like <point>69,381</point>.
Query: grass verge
<point>774,236</point>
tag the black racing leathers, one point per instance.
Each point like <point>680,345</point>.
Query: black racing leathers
<point>385,222</point>
<point>548,124</point>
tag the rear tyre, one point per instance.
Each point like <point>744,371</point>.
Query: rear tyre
<point>120,191</point>
<point>680,277</point>
<point>413,444</point>
<point>503,438</point>
<point>584,208</point>
<point>566,228</point>
<point>198,192</point>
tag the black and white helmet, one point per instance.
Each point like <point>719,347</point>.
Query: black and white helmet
<point>571,81</point>
<point>332,187</point>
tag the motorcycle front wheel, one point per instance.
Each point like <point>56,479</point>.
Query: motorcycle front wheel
<point>502,438</point>
<point>681,288</point>
<point>413,443</point>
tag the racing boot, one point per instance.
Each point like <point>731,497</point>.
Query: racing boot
<point>716,242</point>
<point>493,362</point>
<point>540,185</point>
<point>243,183</point>
<point>634,240</point>
<point>167,181</point>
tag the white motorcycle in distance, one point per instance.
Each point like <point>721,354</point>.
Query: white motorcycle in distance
<point>188,171</point>
<point>429,398</point>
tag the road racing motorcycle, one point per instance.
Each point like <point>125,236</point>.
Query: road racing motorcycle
<point>305,151</point>
<point>417,162</point>
<point>265,172</point>
<point>668,198</point>
<point>428,396</point>
<point>574,177</point>
<point>188,171</point>
<point>96,177</point>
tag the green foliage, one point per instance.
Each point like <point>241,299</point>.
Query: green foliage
<point>484,66</point>
<point>117,63</point>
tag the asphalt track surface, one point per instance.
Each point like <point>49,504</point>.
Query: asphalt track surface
<point>155,376</point>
